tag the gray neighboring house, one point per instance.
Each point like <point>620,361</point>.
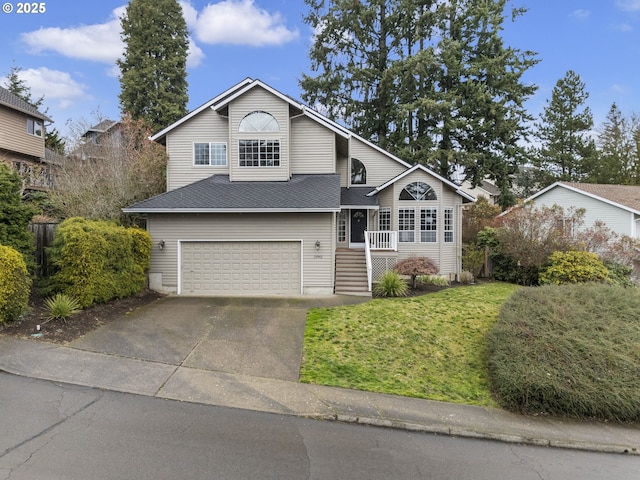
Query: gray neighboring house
<point>265,196</point>
<point>618,206</point>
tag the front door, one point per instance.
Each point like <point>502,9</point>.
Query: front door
<point>358,227</point>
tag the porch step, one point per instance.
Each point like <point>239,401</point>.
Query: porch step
<point>351,273</point>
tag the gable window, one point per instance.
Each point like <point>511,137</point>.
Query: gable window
<point>448,225</point>
<point>259,121</point>
<point>34,127</point>
<point>428,225</point>
<point>384,219</point>
<point>214,153</point>
<point>418,191</point>
<point>259,153</point>
<point>406,225</point>
<point>358,172</point>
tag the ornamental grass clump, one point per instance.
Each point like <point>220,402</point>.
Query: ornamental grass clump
<point>390,285</point>
<point>61,307</point>
<point>568,350</point>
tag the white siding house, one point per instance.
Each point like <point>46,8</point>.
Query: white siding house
<point>266,196</point>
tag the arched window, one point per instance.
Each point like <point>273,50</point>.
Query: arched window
<point>259,121</point>
<point>358,172</point>
<point>418,191</point>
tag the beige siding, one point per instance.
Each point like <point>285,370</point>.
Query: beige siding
<point>342,168</point>
<point>617,219</point>
<point>208,126</point>
<point>447,255</point>
<point>318,265</point>
<point>380,168</point>
<point>14,136</point>
<point>259,99</point>
<point>313,148</point>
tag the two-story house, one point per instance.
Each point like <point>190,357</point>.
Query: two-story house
<point>22,136</point>
<point>267,196</point>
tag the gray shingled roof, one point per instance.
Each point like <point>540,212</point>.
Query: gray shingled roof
<point>217,193</point>
<point>357,196</point>
<point>13,101</point>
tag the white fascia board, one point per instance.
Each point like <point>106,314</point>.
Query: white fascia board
<point>230,210</point>
<point>359,207</point>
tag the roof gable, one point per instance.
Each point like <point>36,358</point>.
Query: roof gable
<point>626,197</point>
<point>14,102</point>
<point>446,182</point>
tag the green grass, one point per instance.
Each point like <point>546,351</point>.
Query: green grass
<point>432,346</point>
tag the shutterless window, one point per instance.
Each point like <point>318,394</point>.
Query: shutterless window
<point>448,225</point>
<point>34,127</point>
<point>259,153</point>
<point>428,225</point>
<point>210,154</point>
<point>406,225</point>
<point>342,226</point>
<point>384,219</point>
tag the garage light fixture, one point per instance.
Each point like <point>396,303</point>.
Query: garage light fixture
<point>161,244</point>
<point>317,244</point>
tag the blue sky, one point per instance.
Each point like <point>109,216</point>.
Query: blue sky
<point>68,52</point>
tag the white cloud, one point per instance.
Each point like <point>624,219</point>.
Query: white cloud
<point>581,14</point>
<point>55,85</point>
<point>99,42</point>
<point>241,22</point>
<point>628,5</point>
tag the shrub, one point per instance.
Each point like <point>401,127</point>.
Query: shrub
<point>466,277</point>
<point>390,285</point>
<point>573,267</point>
<point>15,284</point>
<point>473,258</point>
<point>416,266</point>
<point>569,350</point>
<point>437,280</point>
<point>619,274</point>
<point>61,306</point>
<point>96,261</point>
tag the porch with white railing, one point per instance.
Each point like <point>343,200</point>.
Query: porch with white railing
<point>378,240</point>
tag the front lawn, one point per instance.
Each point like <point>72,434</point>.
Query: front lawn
<point>432,346</point>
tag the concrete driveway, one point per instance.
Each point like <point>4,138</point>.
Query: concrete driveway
<point>260,337</point>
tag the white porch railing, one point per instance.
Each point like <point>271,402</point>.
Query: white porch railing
<point>378,240</point>
<point>383,240</point>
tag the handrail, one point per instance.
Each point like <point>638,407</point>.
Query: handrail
<point>367,255</point>
<point>383,240</point>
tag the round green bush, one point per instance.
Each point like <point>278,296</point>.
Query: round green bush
<point>568,350</point>
<point>15,284</point>
<point>573,267</point>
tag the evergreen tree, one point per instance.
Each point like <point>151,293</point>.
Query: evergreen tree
<point>567,152</point>
<point>153,80</point>
<point>615,150</point>
<point>19,88</point>
<point>431,82</point>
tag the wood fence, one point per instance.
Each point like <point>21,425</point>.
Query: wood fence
<point>43,233</point>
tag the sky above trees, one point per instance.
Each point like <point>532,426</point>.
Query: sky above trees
<point>69,51</point>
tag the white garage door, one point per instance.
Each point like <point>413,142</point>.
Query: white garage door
<point>240,268</point>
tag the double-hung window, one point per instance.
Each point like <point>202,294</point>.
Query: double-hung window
<point>214,153</point>
<point>406,225</point>
<point>448,225</point>
<point>428,225</point>
<point>384,219</point>
<point>259,153</point>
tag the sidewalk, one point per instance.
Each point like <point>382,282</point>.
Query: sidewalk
<point>112,372</point>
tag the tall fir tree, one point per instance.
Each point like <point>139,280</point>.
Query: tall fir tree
<point>616,150</point>
<point>430,81</point>
<point>567,151</point>
<point>153,71</point>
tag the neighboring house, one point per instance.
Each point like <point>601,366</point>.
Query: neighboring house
<point>22,136</point>
<point>97,140</point>
<point>266,196</point>
<point>484,189</point>
<point>618,206</point>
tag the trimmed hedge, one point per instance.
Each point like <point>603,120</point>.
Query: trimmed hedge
<point>573,266</point>
<point>15,284</point>
<point>96,261</point>
<point>568,350</point>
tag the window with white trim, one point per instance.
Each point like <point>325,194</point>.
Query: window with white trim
<point>428,225</point>
<point>259,121</point>
<point>418,191</point>
<point>34,127</point>
<point>342,226</point>
<point>448,225</point>
<point>384,219</point>
<point>213,153</point>
<point>406,225</point>
<point>259,153</point>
